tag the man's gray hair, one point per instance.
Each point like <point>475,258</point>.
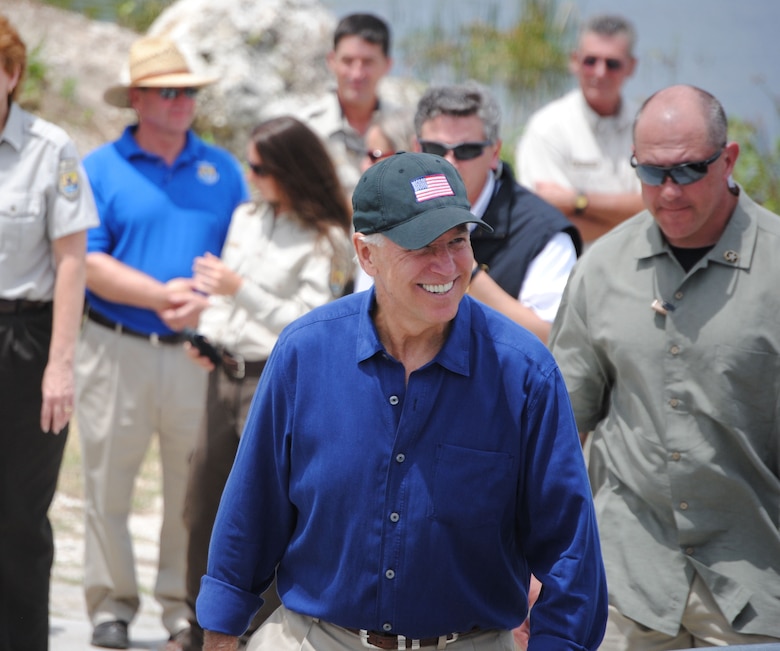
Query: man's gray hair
<point>611,25</point>
<point>460,100</point>
<point>374,239</point>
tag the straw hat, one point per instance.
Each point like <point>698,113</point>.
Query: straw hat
<point>155,62</point>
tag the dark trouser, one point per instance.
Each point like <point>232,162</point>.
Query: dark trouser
<point>29,464</point>
<point>227,404</point>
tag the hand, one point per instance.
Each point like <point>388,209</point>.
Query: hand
<point>522,633</point>
<point>57,392</point>
<point>194,354</point>
<point>183,304</point>
<point>213,276</point>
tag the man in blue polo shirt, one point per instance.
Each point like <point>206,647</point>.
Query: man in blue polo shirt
<point>164,197</point>
<point>409,460</point>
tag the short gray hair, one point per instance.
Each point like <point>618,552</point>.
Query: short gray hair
<point>374,239</point>
<point>460,100</point>
<point>611,25</point>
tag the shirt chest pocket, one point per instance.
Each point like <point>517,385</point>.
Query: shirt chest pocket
<point>471,488</point>
<point>21,221</point>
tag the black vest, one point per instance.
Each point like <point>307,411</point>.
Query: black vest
<point>522,224</point>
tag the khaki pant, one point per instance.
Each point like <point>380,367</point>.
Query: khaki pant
<point>703,625</point>
<point>127,391</point>
<point>287,630</point>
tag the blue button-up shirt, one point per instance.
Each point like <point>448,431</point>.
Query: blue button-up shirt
<point>416,509</point>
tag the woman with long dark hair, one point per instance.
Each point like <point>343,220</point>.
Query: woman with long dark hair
<point>285,254</point>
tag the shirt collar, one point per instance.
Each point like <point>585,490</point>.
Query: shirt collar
<point>734,248</point>
<point>13,133</point>
<point>482,202</point>
<point>128,147</point>
<point>622,120</point>
<point>454,355</point>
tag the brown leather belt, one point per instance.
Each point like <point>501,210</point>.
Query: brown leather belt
<point>152,338</point>
<point>381,641</point>
<point>237,368</point>
<point>19,305</point>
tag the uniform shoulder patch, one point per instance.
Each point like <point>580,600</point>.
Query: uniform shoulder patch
<point>69,182</point>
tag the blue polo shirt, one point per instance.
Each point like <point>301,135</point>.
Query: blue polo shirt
<point>157,218</point>
<point>416,509</point>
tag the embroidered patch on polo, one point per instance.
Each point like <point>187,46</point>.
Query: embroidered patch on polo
<point>431,187</point>
<point>207,173</point>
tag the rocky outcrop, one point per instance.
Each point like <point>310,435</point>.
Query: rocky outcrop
<point>269,57</point>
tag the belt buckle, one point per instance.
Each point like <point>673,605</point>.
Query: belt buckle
<point>400,641</point>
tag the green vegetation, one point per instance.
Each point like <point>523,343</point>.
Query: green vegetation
<point>133,14</point>
<point>525,63</point>
<point>35,79</point>
<point>758,165</point>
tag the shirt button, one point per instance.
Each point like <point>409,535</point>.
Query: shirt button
<point>400,458</point>
<point>674,350</point>
<point>390,574</point>
<point>387,626</point>
<point>394,517</point>
<point>689,551</point>
<point>676,456</point>
<point>674,402</point>
<point>678,295</point>
<point>684,506</point>
<point>394,400</point>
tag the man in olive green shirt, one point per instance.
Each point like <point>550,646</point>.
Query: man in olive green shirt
<point>669,343</point>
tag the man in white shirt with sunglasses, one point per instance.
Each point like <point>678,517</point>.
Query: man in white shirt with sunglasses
<point>574,152</point>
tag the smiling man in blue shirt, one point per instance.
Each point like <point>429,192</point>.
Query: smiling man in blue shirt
<point>409,459</point>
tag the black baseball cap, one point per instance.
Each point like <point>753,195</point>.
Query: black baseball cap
<point>412,199</point>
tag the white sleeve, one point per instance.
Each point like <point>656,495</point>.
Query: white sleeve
<point>546,277</point>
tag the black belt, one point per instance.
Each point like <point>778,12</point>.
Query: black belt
<point>383,641</point>
<point>20,305</point>
<point>152,338</point>
<point>237,368</point>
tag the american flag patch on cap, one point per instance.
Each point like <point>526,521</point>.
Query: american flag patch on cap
<point>431,187</point>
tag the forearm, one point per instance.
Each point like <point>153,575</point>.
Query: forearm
<point>68,298</point>
<point>604,212</point>
<point>117,282</point>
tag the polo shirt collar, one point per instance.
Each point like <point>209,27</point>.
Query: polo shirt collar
<point>454,355</point>
<point>129,148</point>
<point>13,133</point>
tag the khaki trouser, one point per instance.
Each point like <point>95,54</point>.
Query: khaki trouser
<point>703,625</point>
<point>286,630</point>
<point>127,390</point>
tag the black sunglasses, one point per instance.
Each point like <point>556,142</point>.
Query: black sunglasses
<point>173,93</point>
<point>682,174</point>
<point>613,65</point>
<point>463,151</point>
<point>259,169</point>
<point>375,155</point>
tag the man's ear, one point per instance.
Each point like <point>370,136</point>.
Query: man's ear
<point>364,253</point>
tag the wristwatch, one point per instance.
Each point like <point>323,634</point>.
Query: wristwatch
<point>580,203</point>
